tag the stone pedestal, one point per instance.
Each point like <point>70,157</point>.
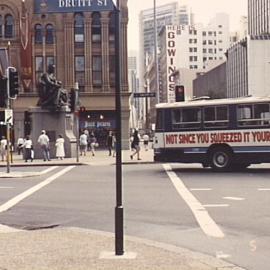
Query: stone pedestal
<point>55,123</point>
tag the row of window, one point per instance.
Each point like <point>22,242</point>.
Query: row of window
<point>6,26</point>
<point>218,116</point>
<point>42,64</point>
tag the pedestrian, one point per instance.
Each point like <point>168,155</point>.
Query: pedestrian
<point>83,144</point>
<point>93,142</point>
<point>44,141</point>
<point>114,145</point>
<point>20,144</point>
<point>60,150</point>
<point>135,145</point>
<point>110,142</point>
<point>28,149</point>
<point>3,148</point>
<point>146,141</point>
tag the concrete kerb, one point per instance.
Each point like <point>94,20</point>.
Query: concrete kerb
<point>66,248</point>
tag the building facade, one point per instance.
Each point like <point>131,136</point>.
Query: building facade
<point>79,39</point>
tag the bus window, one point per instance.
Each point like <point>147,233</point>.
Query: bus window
<point>245,115</point>
<point>216,117</point>
<point>159,120</point>
<point>262,112</point>
<point>186,118</point>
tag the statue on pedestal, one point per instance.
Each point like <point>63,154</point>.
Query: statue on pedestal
<point>51,94</point>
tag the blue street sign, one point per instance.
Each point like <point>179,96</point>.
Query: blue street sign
<point>71,6</point>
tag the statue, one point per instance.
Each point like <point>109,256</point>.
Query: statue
<point>51,94</point>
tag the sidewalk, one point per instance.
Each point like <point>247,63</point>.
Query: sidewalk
<point>80,249</point>
<point>101,158</point>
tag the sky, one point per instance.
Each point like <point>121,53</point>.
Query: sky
<point>204,10</point>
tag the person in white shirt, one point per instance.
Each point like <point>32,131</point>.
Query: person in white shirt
<point>83,144</point>
<point>28,148</point>
<point>43,141</point>
<point>20,143</point>
<point>3,148</point>
<point>60,150</point>
<point>145,141</point>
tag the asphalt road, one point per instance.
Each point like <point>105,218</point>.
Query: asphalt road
<point>222,214</point>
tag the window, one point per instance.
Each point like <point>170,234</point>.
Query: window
<point>97,70</point>
<point>186,118</point>
<point>38,67</point>
<point>79,28</point>
<point>112,27</point>
<point>1,26</point>
<point>9,26</point>
<point>216,117</point>
<point>80,71</point>
<point>159,120</point>
<point>38,34</point>
<point>112,69</point>
<point>253,115</point>
<point>49,34</point>
<point>96,27</point>
<point>49,61</point>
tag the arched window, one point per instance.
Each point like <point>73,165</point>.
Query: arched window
<point>49,34</point>
<point>38,34</point>
<point>1,26</point>
<point>79,28</point>
<point>112,27</point>
<point>9,26</point>
<point>96,27</point>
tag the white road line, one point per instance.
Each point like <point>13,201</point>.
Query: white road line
<point>200,189</point>
<point>263,189</point>
<point>216,205</point>
<point>206,223</point>
<point>222,255</point>
<point>49,169</point>
<point>9,204</point>
<point>233,198</point>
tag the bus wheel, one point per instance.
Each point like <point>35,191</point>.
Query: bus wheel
<point>220,159</point>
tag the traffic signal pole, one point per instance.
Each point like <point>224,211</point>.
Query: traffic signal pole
<point>8,125</point>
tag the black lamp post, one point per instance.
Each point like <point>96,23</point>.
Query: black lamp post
<point>119,209</point>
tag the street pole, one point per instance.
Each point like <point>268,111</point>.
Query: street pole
<point>77,120</point>
<point>119,209</point>
<point>7,123</point>
<point>155,53</point>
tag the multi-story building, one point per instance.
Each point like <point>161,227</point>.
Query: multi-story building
<point>79,39</point>
<point>169,14</point>
<point>189,50</point>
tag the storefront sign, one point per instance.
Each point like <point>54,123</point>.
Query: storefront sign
<point>56,6</point>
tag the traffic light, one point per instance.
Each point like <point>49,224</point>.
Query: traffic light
<point>179,93</point>
<point>72,100</point>
<point>3,92</point>
<point>13,79</point>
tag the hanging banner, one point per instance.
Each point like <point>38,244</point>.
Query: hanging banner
<point>26,50</point>
<point>56,6</point>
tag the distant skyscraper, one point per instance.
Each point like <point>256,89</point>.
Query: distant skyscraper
<point>258,17</point>
<point>169,14</point>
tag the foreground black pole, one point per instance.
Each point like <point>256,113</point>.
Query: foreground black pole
<point>119,210</point>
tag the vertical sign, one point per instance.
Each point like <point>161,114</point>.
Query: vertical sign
<point>171,62</point>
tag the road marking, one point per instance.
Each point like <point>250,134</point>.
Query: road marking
<point>49,169</point>
<point>263,189</point>
<point>216,205</point>
<point>9,204</point>
<point>222,255</point>
<point>200,189</point>
<point>234,198</point>
<point>6,187</point>
<point>206,223</point>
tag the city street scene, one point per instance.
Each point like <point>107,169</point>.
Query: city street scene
<point>134,135</point>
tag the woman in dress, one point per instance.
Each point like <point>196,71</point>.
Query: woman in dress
<point>60,150</point>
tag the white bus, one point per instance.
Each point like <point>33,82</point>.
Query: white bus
<point>220,133</point>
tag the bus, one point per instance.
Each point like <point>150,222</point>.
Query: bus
<point>218,133</point>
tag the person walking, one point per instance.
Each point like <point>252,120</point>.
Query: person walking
<point>28,149</point>
<point>93,142</point>
<point>83,144</point>
<point>3,148</point>
<point>110,142</point>
<point>43,141</point>
<point>60,150</point>
<point>146,141</point>
<point>135,145</point>
<point>20,144</point>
